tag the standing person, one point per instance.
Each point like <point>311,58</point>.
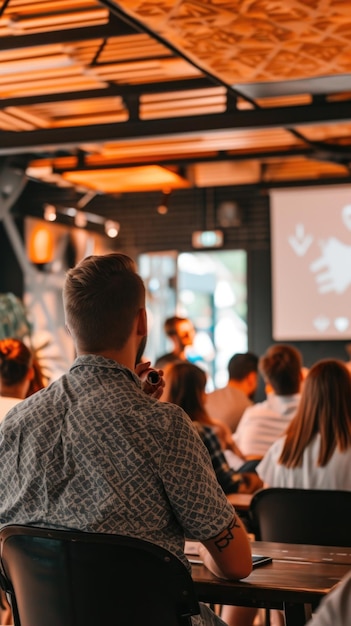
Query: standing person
<point>315,451</point>
<point>98,454</point>
<point>16,373</point>
<point>181,332</point>
<point>229,403</point>
<point>263,423</point>
<point>185,386</point>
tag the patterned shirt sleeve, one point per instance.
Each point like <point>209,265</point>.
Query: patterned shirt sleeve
<point>190,482</point>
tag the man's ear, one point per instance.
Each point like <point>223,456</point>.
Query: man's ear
<point>253,380</point>
<point>142,323</point>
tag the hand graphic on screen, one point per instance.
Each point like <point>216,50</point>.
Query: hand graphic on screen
<point>333,267</point>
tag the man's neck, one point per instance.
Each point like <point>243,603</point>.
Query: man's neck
<point>120,356</point>
<point>239,384</point>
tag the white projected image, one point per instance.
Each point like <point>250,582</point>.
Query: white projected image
<point>311,263</point>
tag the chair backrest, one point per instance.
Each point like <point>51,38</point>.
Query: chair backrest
<point>311,516</point>
<point>64,578</point>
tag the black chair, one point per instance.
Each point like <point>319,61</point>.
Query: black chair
<point>64,578</point>
<point>310,516</point>
<point>306,516</point>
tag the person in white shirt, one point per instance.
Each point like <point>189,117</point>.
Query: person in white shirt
<point>229,403</point>
<point>315,452</point>
<point>263,423</point>
<point>335,608</point>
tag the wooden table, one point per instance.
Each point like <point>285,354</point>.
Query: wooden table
<point>299,552</point>
<point>240,501</point>
<point>298,576</point>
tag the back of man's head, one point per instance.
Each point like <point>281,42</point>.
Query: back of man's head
<point>242,364</point>
<point>281,367</point>
<point>102,296</point>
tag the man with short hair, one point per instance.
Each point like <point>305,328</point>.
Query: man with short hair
<point>229,403</point>
<point>181,332</point>
<point>263,423</point>
<point>94,452</point>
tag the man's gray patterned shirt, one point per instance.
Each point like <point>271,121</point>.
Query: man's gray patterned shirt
<point>93,452</point>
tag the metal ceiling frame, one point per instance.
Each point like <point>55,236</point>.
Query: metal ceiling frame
<point>51,139</point>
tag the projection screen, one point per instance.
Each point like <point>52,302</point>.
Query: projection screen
<point>311,263</point>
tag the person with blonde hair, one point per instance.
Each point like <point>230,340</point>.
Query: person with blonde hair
<point>315,451</point>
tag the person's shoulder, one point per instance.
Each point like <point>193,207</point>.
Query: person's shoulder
<point>31,405</point>
<point>170,416</point>
<point>219,393</point>
<point>256,409</point>
<point>212,395</point>
<point>274,451</point>
<point>228,393</point>
<point>268,466</point>
<point>6,404</point>
<point>164,359</point>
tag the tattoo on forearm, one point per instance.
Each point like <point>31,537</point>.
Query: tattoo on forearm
<point>224,541</point>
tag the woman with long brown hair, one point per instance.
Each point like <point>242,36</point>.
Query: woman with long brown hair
<point>185,386</point>
<point>315,452</point>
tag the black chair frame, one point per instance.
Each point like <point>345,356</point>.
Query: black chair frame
<point>71,578</point>
<point>305,516</point>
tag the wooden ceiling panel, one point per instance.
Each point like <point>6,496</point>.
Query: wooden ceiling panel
<point>175,84</point>
<point>254,41</point>
<point>24,16</point>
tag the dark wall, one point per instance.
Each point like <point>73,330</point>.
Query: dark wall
<point>144,230</point>
<point>11,277</point>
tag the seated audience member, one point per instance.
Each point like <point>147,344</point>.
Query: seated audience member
<point>264,422</point>
<point>99,454</point>
<point>38,381</point>
<point>181,332</point>
<point>16,373</point>
<point>315,452</point>
<point>335,608</point>
<point>185,386</point>
<point>229,403</point>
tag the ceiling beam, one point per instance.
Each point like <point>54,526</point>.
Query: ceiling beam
<point>184,161</point>
<point>285,117</point>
